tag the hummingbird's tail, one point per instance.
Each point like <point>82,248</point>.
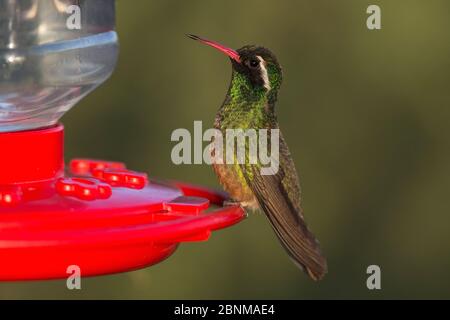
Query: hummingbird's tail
<point>286,218</point>
<point>299,242</point>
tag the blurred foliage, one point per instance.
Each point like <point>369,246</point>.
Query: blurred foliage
<point>366,116</point>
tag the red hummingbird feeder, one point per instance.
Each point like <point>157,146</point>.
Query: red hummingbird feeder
<point>97,215</point>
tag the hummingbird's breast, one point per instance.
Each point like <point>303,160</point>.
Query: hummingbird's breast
<point>232,176</point>
<point>232,180</point>
<point>244,108</point>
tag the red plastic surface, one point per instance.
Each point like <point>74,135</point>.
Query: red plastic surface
<point>103,217</point>
<point>31,156</point>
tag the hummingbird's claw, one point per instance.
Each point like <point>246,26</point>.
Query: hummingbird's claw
<point>231,202</point>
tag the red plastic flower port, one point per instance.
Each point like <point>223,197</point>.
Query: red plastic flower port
<point>10,195</point>
<point>83,188</point>
<point>114,173</point>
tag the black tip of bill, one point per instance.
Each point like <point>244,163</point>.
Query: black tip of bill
<point>192,36</point>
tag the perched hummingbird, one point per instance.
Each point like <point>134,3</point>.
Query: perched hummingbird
<point>250,104</point>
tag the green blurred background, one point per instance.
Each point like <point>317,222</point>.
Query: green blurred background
<point>366,116</point>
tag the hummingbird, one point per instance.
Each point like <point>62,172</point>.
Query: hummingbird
<point>250,104</point>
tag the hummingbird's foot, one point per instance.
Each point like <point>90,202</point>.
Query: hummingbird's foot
<point>230,202</point>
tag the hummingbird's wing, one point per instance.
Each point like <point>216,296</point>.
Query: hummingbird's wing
<point>279,197</point>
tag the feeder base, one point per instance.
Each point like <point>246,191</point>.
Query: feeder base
<point>100,217</point>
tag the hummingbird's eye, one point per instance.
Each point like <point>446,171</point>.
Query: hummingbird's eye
<point>253,63</point>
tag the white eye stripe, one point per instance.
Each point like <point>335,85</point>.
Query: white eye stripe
<point>264,73</point>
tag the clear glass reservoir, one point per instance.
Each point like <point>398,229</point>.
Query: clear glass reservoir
<point>52,54</point>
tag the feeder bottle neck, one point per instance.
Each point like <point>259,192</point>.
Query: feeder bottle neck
<point>32,156</point>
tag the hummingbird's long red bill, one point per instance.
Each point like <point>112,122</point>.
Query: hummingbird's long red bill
<point>228,51</point>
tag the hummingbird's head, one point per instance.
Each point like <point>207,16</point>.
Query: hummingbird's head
<point>257,64</point>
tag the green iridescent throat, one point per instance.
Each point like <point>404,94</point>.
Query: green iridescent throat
<point>247,106</point>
